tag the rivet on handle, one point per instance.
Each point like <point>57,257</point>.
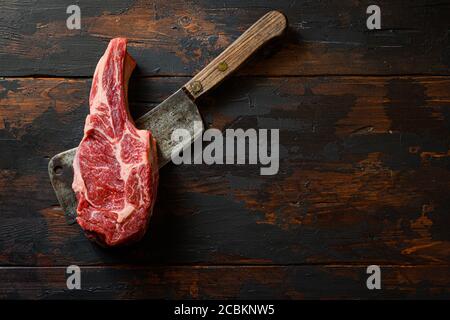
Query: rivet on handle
<point>196,87</point>
<point>223,66</point>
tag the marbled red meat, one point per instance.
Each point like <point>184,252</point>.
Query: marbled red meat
<point>115,167</point>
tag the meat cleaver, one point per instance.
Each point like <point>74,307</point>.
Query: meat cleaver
<point>179,110</point>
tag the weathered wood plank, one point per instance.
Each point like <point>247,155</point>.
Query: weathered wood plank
<point>179,37</point>
<point>364,175</point>
<point>227,282</point>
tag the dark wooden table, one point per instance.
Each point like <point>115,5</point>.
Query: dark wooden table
<point>364,178</point>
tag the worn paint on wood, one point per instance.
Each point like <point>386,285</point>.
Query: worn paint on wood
<point>179,37</point>
<point>364,170</point>
<point>363,175</point>
<point>226,282</point>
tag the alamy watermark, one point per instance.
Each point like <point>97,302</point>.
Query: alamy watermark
<point>73,281</point>
<point>74,20</point>
<point>373,22</point>
<point>374,280</point>
<point>237,146</point>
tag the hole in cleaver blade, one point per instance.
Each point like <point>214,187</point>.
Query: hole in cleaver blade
<point>175,112</point>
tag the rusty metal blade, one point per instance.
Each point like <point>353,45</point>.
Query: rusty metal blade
<point>176,112</point>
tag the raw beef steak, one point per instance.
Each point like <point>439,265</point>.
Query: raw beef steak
<point>115,167</point>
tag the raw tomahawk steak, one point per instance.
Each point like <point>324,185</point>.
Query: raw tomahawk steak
<point>115,167</point>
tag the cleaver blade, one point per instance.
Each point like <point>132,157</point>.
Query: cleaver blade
<point>176,112</point>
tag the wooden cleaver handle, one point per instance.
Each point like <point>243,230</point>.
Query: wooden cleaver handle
<point>271,25</point>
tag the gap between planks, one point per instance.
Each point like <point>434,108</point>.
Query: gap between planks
<point>234,266</point>
<point>325,75</point>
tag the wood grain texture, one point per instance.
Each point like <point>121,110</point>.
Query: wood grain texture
<point>364,175</point>
<point>226,282</point>
<point>364,172</point>
<point>180,37</point>
<point>273,24</point>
